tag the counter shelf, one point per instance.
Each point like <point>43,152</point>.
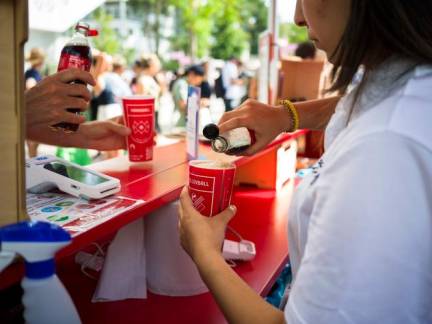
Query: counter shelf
<point>261,218</point>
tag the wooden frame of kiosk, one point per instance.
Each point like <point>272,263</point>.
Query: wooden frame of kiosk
<point>14,26</point>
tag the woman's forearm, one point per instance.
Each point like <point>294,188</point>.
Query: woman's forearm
<point>238,302</point>
<point>315,114</point>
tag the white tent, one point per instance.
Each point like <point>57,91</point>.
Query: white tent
<point>59,15</point>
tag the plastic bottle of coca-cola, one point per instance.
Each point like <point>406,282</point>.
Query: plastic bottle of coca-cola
<point>232,142</point>
<point>76,54</point>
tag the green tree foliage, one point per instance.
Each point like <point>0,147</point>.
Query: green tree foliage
<point>220,28</point>
<point>229,37</point>
<point>107,41</point>
<point>128,53</point>
<point>254,15</point>
<point>170,65</point>
<point>161,9</point>
<point>294,33</point>
<point>194,26</point>
<point>152,27</point>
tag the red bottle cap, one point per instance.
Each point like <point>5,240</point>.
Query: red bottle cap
<point>91,32</point>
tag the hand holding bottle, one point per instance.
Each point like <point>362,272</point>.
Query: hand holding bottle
<point>76,54</point>
<point>233,142</point>
<point>47,102</point>
<point>266,121</point>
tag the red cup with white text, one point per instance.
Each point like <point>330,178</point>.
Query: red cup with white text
<point>210,185</point>
<point>139,117</point>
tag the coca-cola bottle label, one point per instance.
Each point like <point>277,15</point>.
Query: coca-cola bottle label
<point>68,61</point>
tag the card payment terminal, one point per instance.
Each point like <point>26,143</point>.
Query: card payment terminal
<point>44,173</point>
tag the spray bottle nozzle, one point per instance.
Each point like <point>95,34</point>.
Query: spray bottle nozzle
<point>33,232</point>
<point>37,242</point>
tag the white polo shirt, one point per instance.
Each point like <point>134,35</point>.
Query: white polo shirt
<point>360,224</point>
<point>230,71</point>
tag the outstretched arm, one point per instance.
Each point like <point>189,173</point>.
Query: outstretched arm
<point>201,237</point>
<point>99,135</point>
<point>269,121</point>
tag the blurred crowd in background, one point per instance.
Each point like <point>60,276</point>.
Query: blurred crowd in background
<point>159,49</point>
<point>224,86</point>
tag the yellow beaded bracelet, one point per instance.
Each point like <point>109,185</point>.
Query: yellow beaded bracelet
<point>293,114</point>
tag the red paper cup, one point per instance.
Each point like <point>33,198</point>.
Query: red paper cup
<point>210,185</point>
<point>139,117</point>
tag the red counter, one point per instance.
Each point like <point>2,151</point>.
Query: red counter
<point>261,218</point>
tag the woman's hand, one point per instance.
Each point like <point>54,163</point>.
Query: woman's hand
<point>201,237</point>
<point>200,234</point>
<point>265,120</point>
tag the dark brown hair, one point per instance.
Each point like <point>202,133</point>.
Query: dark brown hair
<point>378,29</point>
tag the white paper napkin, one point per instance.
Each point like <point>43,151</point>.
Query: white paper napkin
<point>124,272</point>
<point>170,271</point>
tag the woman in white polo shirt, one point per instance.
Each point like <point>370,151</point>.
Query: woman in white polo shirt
<point>360,224</point>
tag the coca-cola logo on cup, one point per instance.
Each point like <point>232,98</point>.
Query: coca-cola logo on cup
<point>140,119</point>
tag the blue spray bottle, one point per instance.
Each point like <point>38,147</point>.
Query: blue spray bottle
<point>45,298</point>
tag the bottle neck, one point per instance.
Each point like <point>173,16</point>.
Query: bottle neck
<point>220,144</point>
<point>81,32</point>
<point>80,37</point>
<point>237,137</point>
